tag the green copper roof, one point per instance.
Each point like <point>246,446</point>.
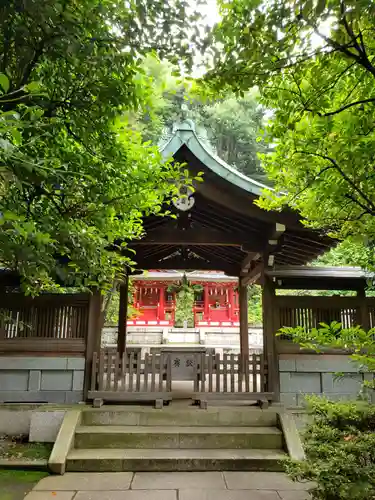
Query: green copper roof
<point>184,133</point>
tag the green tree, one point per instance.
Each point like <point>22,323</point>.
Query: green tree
<point>313,62</point>
<point>112,305</point>
<point>74,179</point>
<point>232,125</point>
<point>184,291</point>
<point>255,312</point>
<point>348,253</point>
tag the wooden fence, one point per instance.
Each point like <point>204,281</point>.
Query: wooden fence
<point>231,376</point>
<point>230,373</point>
<point>52,323</point>
<point>309,312</point>
<point>133,377</point>
<point>130,377</point>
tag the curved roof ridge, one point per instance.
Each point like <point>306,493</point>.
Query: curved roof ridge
<point>184,133</point>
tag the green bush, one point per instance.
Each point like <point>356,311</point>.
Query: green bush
<point>340,451</point>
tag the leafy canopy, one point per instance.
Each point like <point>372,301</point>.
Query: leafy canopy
<point>229,125</point>
<point>313,63</point>
<point>74,179</point>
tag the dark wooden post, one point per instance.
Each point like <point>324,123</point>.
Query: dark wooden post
<point>362,310</point>
<point>92,336</point>
<point>244,320</point>
<point>269,338</point>
<point>123,316</point>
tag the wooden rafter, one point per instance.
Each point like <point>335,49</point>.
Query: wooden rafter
<point>219,252</point>
<point>191,264</point>
<point>253,276</point>
<point>197,237</point>
<point>250,257</point>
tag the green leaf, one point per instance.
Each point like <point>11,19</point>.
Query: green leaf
<point>321,5</point>
<point>17,136</point>
<point>307,8</point>
<point>4,82</point>
<point>33,87</point>
<point>12,216</point>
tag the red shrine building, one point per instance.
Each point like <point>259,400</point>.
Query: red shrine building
<point>216,300</point>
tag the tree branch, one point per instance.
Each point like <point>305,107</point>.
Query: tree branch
<point>343,108</point>
<point>343,175</point>
<point>348,28</point>
<point>357,202</point>
<point>32,63</point>
<point>336,80</point>
<point>360,57</point>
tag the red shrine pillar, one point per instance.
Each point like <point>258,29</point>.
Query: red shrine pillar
<point>161,304</point>
<point>230,303</point>
<point>206,299</point>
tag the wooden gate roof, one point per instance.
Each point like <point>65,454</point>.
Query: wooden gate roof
<point>224,230</point>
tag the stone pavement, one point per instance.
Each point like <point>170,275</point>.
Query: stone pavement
<point>169,486</point>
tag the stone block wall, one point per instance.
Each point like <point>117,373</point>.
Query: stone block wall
<point>41,379</point>
<point>224,337</point>
<point>304,374</point>
<point>134,335</point>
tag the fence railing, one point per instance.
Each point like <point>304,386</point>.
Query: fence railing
<point>309,312</point>
<point>230,373</point>
<point>133,377</point>
<point>130,376</point>
<point>45,323</point>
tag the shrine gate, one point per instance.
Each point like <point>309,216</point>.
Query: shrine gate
<point>50,346</point>
<point>218,227</point>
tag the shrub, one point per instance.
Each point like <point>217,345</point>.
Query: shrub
<point>340,451</point>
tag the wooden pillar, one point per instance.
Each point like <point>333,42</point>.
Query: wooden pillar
<point>269,336</point>
<point>123,316</point>
<point>206,299</point>
<point>161,304</point>
<point>363,316</point>
<point>244,320</point>
<point>93,335</point>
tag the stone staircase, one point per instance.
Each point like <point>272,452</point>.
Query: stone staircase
<point>177,439</point>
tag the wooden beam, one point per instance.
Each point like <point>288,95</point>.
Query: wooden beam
<point>196,264</point>
<point>278,231</point>
<point>270,312</point>
<point>273,243</point>
<point>140,256</point>
<point>253,275</point>
<point>92,336</point>
<point>242,203</point>
<point>220,254</point>
<point>203,237</point>
<point>250,257</point>
<point>153,251</point>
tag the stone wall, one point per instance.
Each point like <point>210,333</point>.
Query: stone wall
<point>41,379</point>
<point>302,374</point>
<point>134,335</point>
<point>225,337</point>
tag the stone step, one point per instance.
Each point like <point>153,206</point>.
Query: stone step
<point>178,437</point>
<point>189,416</point>
<point>138,460</point>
